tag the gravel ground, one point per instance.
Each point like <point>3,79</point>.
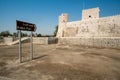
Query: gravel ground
<point>59,62</point>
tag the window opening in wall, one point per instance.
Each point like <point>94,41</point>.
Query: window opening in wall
<point>89,16</point>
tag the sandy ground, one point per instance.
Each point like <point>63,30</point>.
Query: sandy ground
<point>59,62</point>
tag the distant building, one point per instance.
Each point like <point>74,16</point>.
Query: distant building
<point>91,25</point>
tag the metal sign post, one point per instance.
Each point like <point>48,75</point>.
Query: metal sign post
<point>20,49</point>
<point>25,26</point>
<point>31,47</point>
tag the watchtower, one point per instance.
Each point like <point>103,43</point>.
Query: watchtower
<point>90,13</point>
<point>63,19</point>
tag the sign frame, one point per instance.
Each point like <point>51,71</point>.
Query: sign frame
<point>25,26</point>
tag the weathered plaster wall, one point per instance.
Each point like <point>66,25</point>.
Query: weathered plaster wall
<point>103,27</point>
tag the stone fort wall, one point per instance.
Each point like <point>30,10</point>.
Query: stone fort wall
<point>91,30</point>
<point>90,25</point>
<point>103,27</point>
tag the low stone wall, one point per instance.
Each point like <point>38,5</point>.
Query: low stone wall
<point>44,40</point>
<point>106,42</point>
<point>40,40</point>
<point>52,40</point>
<point>8,40</point>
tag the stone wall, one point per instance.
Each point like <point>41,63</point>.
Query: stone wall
<point>91,25</point>
<point>40,40</point>
<point>103,27</point>
<point>44,40</point>
<point>90,14</point>
<point>106,42</point>
<point>8,40</point>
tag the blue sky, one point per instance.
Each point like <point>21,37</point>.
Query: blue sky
<point>44,13</point>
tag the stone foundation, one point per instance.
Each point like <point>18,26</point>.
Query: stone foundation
<point>104,42</point>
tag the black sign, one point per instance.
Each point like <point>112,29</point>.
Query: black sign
<point>20,25</point>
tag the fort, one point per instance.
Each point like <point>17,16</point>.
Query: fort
<point>92,29</point>
<point>91,25</point>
